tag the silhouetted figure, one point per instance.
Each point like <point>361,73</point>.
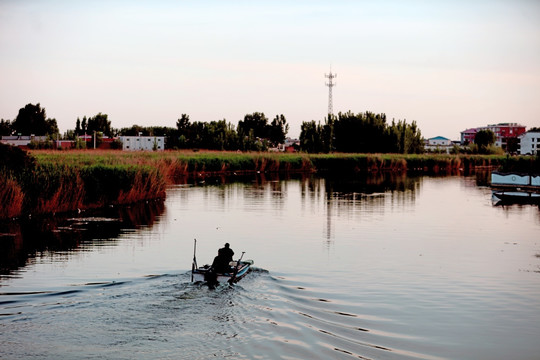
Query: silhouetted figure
<point>227,252</point>
<point>222,260</point>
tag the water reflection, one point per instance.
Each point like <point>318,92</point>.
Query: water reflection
<point>21,242</point>
<point>360,194</point>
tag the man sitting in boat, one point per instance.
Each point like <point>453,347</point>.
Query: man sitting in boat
<point>222,260</point>
<point>227,252</point>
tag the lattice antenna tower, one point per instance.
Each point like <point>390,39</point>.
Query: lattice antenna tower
<point>330,85</point>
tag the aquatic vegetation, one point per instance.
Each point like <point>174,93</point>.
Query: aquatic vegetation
<point>46,181</point>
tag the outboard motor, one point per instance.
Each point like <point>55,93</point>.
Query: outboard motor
<point>211,278</point>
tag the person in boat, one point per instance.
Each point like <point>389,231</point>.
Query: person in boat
<point>227,252</point>
<point>222,260</point>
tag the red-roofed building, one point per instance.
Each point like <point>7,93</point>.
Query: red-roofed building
<point>502,132</point>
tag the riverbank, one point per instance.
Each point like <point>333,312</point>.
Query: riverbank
<point>56,181</point>
<point>174,164</point>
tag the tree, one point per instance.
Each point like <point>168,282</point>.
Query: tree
<point>182,124</point>
<point>134,130</point>
<point>84,125</point>
<point>5,127</point>
<point>78,130</point>
<point>32,119</point>
<point>512,145</point>
<point>311,139</point>
<point>257,122</point>
<point>484,138</point>
<point>361,133</point>
<point>100,123</point>
<point>278,129</point>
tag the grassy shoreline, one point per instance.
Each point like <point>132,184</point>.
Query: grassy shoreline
<point>72,180</point>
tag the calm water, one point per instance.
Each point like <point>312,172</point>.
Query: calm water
<point>377,268</point>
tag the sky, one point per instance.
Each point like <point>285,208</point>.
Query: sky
<point>448,65</point>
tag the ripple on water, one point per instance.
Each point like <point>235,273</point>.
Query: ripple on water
<point>261,317</point>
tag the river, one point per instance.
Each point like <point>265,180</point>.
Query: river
<point>379,267</point>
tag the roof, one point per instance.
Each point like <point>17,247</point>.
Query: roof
<point>438,138</point>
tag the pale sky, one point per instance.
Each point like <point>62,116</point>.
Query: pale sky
<point>448,65</point>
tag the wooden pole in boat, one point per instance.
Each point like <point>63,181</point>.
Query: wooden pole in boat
<point>194,263</point>
<point>231,280</point>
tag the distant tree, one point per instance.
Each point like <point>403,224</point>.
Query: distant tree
<point>278,129</point>
<point>311,139</point>
<point>361,133</point>
<point>32,119</point>
<point>183,135</point>
<point>70,135</point>
<point>84,125</point>
<point>257,122</point>
<point>5,127</point>
<point>484,139</point>
<point>512,145</point>
<point>182,124</point>
<point>78,130</point>
<point>100,123</point>
<point>134,130</point>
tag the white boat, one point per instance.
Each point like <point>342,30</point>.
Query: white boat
<point>515,187</point>
<point>510,179</point>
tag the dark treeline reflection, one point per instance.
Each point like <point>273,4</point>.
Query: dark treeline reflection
<point>360,194</point>
<point>24,240</point>
<point>361,187</point>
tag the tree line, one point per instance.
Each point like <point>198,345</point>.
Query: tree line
<point>347,132</point>
<point>361,133</point>
<point>254,132</point>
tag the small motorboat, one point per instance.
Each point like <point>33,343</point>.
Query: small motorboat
<point>234,273</point>
<point>238,269</point>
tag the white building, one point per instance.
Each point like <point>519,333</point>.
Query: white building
<point>529,143</point>
<point>148,143</point>
<point>439,143</point>
<point>18,140</point>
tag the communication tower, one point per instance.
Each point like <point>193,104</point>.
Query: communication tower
<point>330,85</point>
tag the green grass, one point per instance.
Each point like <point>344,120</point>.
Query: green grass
<point>61,181</point>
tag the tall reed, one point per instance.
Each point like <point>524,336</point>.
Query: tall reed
<point>11,197</point>
<point>68,180</point>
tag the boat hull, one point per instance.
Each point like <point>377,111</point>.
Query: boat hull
<point>517,197</point>
<point>199,274</point>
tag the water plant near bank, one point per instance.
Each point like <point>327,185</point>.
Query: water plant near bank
<point>60,181</point>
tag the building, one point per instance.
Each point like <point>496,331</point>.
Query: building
<point>147,143</point>
<point>22,140</point>
<point>438,143</point>
<point>502,132</point>
<point>467,136</point>
<point>529,143</point>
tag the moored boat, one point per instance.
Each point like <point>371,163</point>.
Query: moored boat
<point>516,197</point>
<point>515,187</point>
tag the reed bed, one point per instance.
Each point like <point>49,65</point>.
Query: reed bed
<point>60,181</point>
